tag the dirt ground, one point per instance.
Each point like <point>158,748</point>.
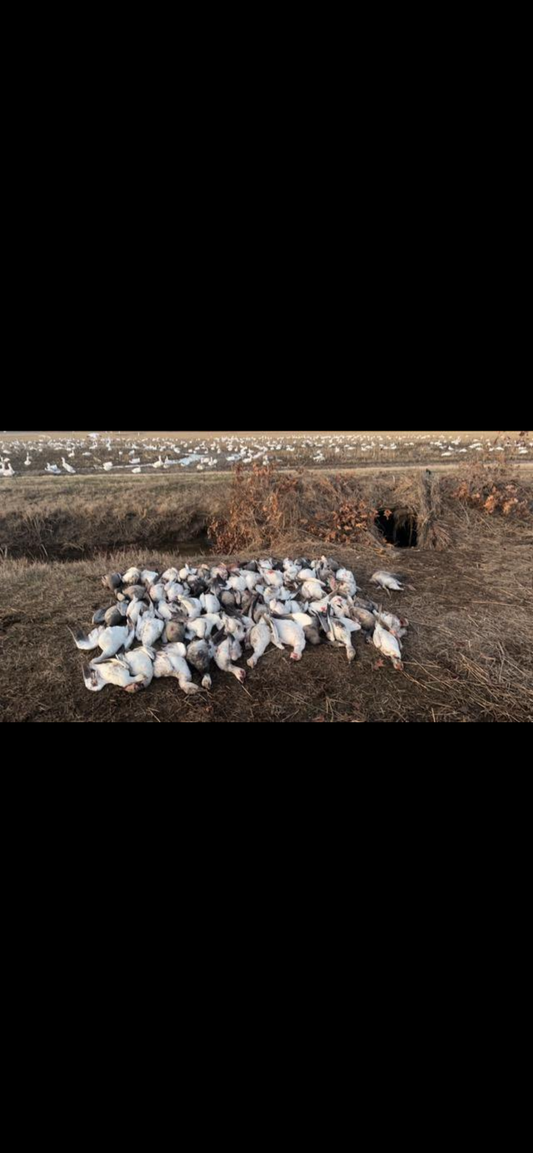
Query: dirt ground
<point>468,655</point>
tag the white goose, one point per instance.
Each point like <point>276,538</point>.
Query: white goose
<point>111,673</point>
<point>149,629</point>
<point>140,663</point>
<point>259,639</point>
<point>387,580</point>
<point>172,663</point>
<point>223,656</point>
<point>109,640</point>
<point>389,646</point>
<point>292,634</point>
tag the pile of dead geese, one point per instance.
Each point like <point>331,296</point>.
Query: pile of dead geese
<point>213,613</point>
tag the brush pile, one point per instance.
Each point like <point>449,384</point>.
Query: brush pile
<point>209,615</point>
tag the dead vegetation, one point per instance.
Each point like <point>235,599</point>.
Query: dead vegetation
<point>71,518</point>
<point>265,507</point>
<point>492,490</point>
<point>468,656</point>
<point>468,594</point>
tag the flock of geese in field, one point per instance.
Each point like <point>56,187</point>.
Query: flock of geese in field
<point>114,453</point>
<point>187,620</point>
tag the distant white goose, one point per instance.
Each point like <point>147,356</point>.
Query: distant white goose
<point>66,466</point>
<point>27,462</point>
<point>7,470</point>
<point>108,466</point>
<point>159,463</point>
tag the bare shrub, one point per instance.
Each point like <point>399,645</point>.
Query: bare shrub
<point>266,506</point>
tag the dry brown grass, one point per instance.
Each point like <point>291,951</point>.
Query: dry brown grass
<point>72,517</point>
<point>468,655</point>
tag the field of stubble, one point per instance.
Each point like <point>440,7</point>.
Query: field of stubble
<point>469,652</point>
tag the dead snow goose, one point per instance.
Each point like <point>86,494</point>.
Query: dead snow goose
<point>113,639</point>
<point>395,625</point>
<point>387,580</point>
<point>112,581</point>
<point>389,645</point>
<point>157,592</point>
<point>223,656</point>
<point>366,618</point>
<point>170,663</point>
<point>111,616</point>
<point>191,606</point>
<point>259,639</point>
<point>111,673</point>
<point>140,664</point>
<point>292,634</point>
<point>174,591</point>
<point>149,578</point>
<point>174,632</point>
<point>341,631</point>
<point>87,643</point>
<point>200,655</point>
<point>149,629</point>
<point>210,603</point>
<point>132,576</point>
<point>312,590</point>
<point>166,612</point>
<point>134,593</point>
